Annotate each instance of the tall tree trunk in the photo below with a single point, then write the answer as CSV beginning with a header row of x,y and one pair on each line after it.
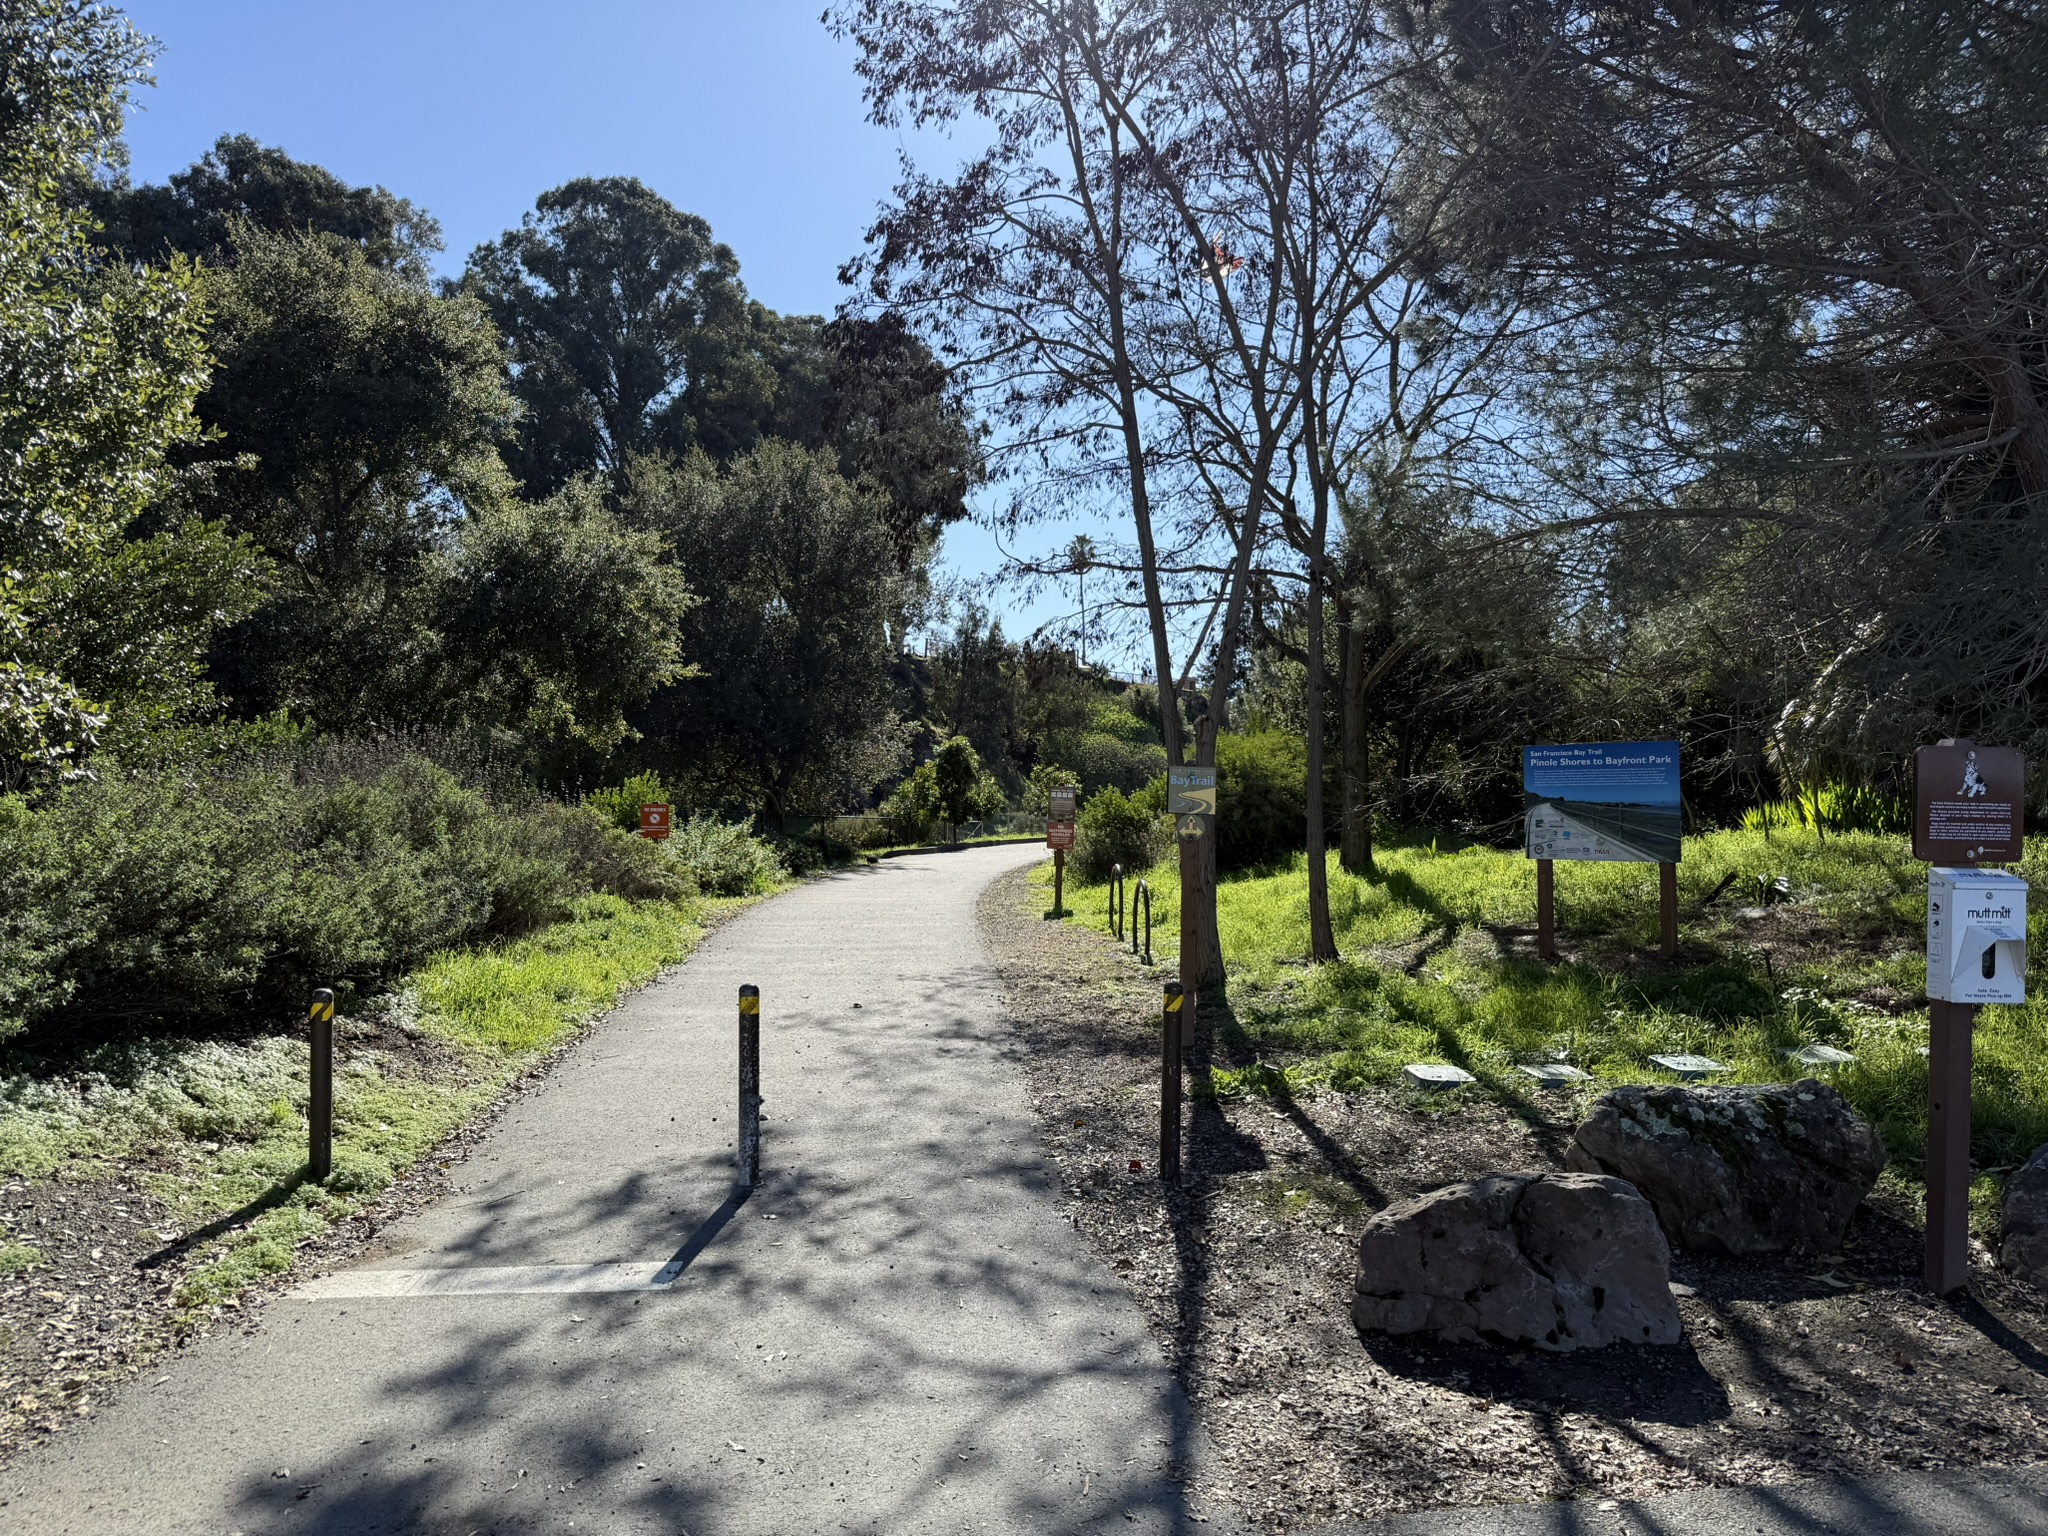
x,y
1201,942
1354,832
1322,938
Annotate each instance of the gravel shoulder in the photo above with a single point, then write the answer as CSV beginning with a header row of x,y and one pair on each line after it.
x,y
1846,1370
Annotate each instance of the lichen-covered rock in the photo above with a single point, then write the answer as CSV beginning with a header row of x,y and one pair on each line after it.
x,y
1737,1171
1560,1261
2023,1220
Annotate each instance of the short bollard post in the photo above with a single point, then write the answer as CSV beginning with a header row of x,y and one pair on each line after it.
x,y
1116,902
320,1101
1171,1027
750,1087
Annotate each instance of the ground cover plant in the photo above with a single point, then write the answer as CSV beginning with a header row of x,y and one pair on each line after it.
x,y
1438,965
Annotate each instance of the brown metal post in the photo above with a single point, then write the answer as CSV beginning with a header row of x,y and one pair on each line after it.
x,y
1059,881
1546,909
1667,907
320,1098
1948,1145
749,1144
1172,1025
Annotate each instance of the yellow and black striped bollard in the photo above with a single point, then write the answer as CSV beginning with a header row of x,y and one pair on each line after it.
x,y
750,1087
320,1101
1172,1017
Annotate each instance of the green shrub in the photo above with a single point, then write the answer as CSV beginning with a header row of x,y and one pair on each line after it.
x,y
609,860
1113,829
196,890
620,804
1105,760
1261,798
912,808
724,858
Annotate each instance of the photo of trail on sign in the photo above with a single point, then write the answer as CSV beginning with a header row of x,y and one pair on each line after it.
x,y
1615,802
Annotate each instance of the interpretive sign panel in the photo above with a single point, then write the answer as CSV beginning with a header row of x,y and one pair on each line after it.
x,y
1062,800
1191,791
1968,803
1615,801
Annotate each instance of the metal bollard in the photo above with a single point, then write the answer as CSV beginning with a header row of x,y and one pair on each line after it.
x,y
1141,892
1116,902
320,1101
1172,1018
749,1143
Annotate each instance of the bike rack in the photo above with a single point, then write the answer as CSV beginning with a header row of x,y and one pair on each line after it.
x,y
1116,902
1142,893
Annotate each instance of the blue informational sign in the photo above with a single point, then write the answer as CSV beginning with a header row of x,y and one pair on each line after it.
x,y
1610,800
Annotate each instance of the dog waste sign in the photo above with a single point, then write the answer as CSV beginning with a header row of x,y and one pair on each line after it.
x,y
1967,803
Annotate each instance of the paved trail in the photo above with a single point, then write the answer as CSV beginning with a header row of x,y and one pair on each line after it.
x,y
898,1333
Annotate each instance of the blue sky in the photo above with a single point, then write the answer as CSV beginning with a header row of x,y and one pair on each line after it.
x,y
746,112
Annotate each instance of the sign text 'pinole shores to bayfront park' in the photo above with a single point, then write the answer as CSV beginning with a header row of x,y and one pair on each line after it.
x,y
1615,801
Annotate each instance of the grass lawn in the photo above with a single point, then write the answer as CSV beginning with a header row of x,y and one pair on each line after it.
x,y
1438,965
215,1130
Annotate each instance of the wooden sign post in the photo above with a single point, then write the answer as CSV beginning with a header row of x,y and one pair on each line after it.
x,y
1607,801
1968,810
1059,837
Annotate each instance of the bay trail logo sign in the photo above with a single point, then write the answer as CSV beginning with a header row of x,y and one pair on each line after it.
x,y
1612,801
1191,791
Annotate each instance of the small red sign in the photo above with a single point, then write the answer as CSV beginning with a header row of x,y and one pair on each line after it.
x,y
1059,834
654,820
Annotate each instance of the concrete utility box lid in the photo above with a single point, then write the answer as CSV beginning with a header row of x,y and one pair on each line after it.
x,y
1557,1074
1820,1056
1689,1066
1430,1075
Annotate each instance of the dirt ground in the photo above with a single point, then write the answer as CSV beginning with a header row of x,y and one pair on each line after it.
x,y
1245,1273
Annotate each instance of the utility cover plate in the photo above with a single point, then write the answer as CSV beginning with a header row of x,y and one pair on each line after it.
x,y
1689,1067
1557,1074
1431,1075
1820,1056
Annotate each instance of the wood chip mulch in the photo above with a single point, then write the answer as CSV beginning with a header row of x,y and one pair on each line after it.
x,y
1844,1368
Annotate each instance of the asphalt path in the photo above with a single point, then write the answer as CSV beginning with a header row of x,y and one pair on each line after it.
x,y
896,1333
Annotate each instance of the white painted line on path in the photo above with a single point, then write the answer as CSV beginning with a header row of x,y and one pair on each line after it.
x,y
514,1280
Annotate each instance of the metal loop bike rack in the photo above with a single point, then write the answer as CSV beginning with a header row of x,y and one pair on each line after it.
x,y
1116,902
1141,893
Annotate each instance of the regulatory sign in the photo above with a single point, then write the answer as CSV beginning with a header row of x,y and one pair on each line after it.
x,y
1191,791
1059,834
1062,801
1615,801
1969,803
655,819
1192,827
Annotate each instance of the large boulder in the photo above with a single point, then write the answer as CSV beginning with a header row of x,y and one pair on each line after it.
x,y
2023,1221
1560,1261
1737,1171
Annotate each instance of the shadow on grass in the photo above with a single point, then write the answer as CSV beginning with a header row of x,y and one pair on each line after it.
x,y
269,1200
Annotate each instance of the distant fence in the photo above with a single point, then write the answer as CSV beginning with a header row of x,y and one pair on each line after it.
x,y
873,831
